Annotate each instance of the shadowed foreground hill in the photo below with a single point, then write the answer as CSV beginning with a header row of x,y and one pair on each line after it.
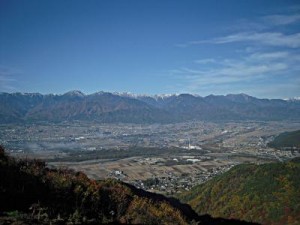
x,y
31,193
267,194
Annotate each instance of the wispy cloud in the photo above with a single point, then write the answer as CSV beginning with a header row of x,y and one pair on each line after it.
x,y
265,56
265,38
7,79
269,55
268,38
266,30
231,72
253,68
282,19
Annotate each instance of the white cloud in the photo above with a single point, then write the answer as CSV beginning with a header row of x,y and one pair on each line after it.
x,y
267,38
251,68
232,74
281,19
269,56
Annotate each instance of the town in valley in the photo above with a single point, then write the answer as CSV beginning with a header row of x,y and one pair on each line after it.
x,y
163,158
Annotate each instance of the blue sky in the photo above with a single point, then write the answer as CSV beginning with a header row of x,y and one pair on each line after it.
x,y
151,47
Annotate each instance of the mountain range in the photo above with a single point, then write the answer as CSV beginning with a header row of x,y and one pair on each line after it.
x,y
127,108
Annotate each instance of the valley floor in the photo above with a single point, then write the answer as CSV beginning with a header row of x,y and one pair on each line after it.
x,y
161,158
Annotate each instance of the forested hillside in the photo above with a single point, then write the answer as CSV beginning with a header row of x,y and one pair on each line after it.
x,y
267,194
287,140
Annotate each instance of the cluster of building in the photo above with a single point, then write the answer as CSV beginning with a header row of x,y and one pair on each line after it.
x,y
199,142
172,183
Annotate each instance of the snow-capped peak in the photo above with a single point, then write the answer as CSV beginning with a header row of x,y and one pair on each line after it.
x,y
98,93
294,99
163,96
136,96
125,94
75,93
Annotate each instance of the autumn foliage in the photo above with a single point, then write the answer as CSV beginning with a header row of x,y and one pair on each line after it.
x,y
267,194
33,194
61,196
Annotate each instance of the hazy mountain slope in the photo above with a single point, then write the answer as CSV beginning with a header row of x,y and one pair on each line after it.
x,y
31,193
104,107
267,194
286,140
248,107
15,106
109,107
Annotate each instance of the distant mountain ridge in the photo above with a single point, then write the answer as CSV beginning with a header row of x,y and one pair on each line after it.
x,y
130,108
